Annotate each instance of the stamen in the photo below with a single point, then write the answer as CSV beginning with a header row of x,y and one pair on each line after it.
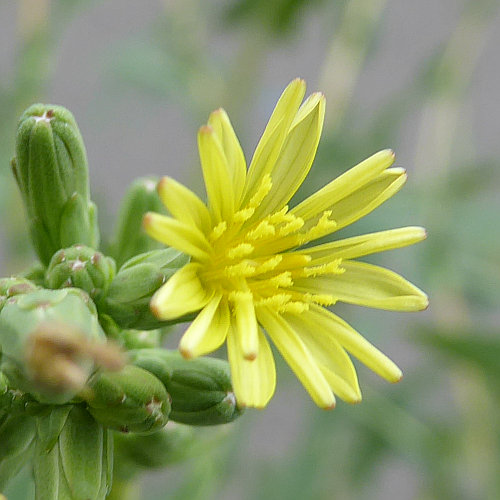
x,y
329,268
263,230
282,280
241,250
322,299
269,264
276,301
218,230
294,307
243,214
294,225
321,228
262,191
242,269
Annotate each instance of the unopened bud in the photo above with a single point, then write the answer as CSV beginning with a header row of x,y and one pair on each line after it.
x,y
130,292
200,388
81,267
130,400
52,174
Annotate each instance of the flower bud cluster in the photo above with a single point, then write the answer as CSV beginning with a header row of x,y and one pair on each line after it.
x,y
81,362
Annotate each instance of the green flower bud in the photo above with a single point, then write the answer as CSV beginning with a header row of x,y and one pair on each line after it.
x,y
200,388
51,171
10,287
131,400
127,300
130,239
81,267
170,445
78,465
50,341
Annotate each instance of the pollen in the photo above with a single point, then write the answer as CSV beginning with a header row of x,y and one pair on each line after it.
x,y
262,191
218,230
241,250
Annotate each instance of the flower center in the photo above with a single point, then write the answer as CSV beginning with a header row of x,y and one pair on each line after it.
x,y
253,257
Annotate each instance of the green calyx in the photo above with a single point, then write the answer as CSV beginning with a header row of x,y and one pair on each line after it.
x,y
81,267
130,400
201,388
128,297
51,170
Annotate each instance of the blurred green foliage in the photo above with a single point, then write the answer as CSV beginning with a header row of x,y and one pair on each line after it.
x,y
439,428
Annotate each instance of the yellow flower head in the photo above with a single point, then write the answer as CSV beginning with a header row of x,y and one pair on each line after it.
x,y
250,277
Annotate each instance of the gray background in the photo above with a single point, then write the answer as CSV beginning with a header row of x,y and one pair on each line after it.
x,y
129,134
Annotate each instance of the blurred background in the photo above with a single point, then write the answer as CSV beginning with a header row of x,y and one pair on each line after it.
x,y
419,77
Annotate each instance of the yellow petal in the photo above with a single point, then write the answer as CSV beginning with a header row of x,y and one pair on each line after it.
x,y
177,234
246,324
181,294
296,157
367,285
344,185
254,381
366,244
218,181
355,343
183,204
297,356
360,202
334,362
235,158
274,135
208,330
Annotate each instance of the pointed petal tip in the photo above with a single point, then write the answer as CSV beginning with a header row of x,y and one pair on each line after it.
x,y
298,81
155,309
162,184
148,220
425,302
205,130
218,111
330,406
250,356
185,352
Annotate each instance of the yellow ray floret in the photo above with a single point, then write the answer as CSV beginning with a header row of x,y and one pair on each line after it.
x,y
254,276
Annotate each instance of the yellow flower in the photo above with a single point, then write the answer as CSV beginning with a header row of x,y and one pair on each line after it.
x,y
250,277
